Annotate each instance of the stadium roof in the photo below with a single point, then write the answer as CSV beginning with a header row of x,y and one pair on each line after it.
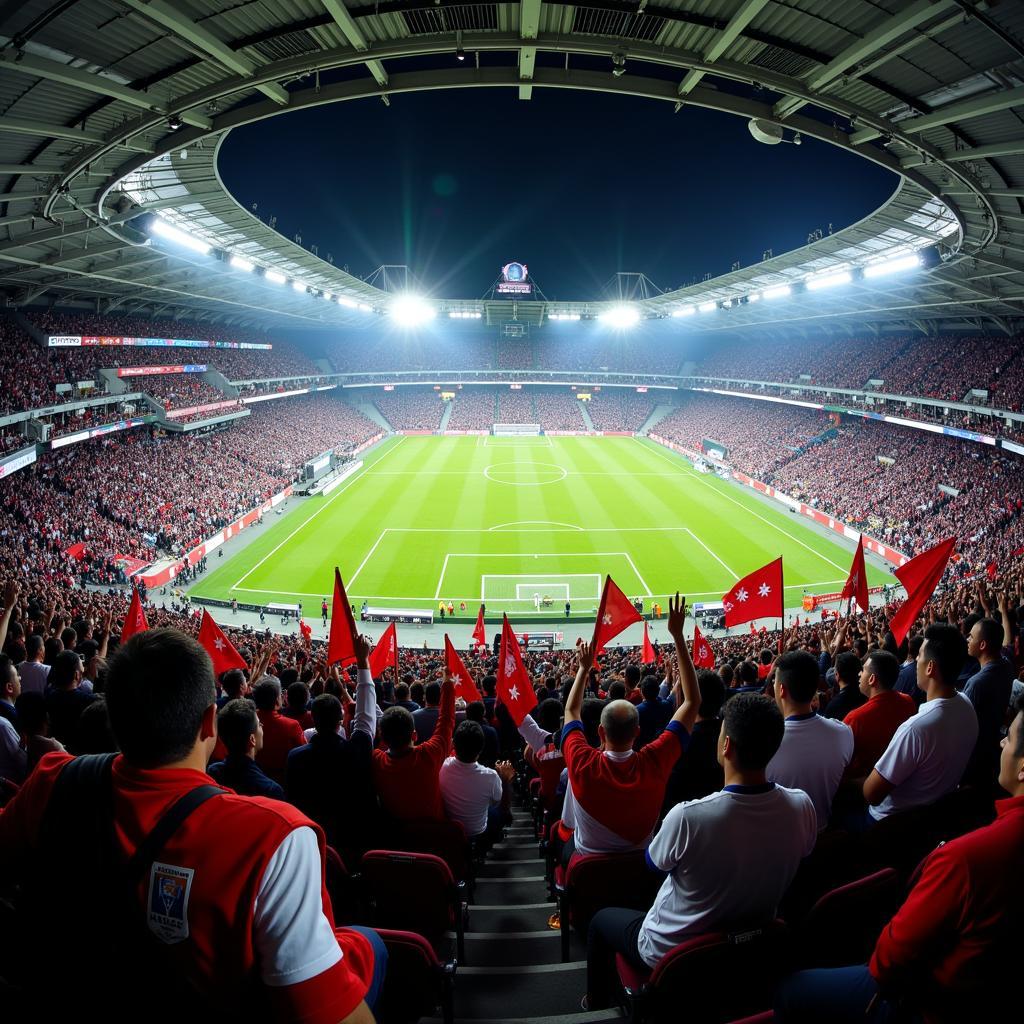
x,y
114,109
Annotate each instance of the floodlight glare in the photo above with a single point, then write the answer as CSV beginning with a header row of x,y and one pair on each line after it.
x,y
298,286
828,280
239,263
411,311
273,275
161,227
778,292
621,317
753,297
684,311
365,308
344,300
893,266
707,307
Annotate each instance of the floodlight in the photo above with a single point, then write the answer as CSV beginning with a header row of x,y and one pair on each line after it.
x,y
778,292
621,317
893,266
828,280
161,227
273,275
411,310
754,297
707,307
344,300
365,308
684,311
240,263
299,286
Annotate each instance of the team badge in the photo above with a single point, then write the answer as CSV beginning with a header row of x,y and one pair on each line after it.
x,y
169,888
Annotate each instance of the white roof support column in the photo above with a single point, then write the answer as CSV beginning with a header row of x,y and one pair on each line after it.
x,y
529,26
351,31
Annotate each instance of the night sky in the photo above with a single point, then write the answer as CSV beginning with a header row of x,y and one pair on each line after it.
x,y
576,185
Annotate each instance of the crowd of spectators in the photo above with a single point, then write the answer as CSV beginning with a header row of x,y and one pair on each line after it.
x,y
474,409
434,349
557,410
515,407
619,409
411,408
579,348
515,354
179,390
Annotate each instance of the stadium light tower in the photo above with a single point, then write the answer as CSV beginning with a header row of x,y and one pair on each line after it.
x,y
621,317
411,311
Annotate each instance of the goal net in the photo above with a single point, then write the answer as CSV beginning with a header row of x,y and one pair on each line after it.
x,y
549,587
515,429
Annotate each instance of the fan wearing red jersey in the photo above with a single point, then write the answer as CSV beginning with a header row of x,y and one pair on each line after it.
x,y
615,795
208,902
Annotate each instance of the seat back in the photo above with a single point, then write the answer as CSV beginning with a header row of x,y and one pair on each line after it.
x,y
340,888
829,864
843,926
444,839
416,982
410,891
719,976
594,881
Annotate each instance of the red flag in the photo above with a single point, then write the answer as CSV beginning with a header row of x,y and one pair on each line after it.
x,y
920,576
464,685
135,620
614,614
221,650
480,630
856,585
77,551
703,656
385,654
343,626
756,596
649,654
991,569
514,688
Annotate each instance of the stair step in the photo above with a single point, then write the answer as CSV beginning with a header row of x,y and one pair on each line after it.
x,y
502,853
509,869
511,891
512,948
592,1017
537,990
502,917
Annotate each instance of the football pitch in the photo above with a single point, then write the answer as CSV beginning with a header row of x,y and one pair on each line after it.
x,y
502,519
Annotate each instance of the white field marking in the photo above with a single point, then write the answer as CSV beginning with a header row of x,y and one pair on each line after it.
x,y
538,554
352,578
514,441
636,572
556,585
756,515
525,483
581,529
534,522
519,462
734,575
341,490
440,579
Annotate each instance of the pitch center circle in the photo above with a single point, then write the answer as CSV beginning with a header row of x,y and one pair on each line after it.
x,y
550,472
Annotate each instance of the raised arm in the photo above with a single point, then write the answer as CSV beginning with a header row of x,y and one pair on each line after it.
x,y
688,692
585,662
366,696
11,591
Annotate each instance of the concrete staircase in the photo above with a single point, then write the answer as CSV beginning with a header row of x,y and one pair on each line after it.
x,y
586,415
370,411
446,416
512,969
658,413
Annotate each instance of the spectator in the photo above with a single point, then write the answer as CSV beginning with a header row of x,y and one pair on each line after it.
x,y
35,729
65,702
653,713
161,692
280,734
475,796
297,707
698,772
13,759
877,719
32,670
928,753
241,731
989,691
542,752
814,751
729,857
849,697
475,713
425,719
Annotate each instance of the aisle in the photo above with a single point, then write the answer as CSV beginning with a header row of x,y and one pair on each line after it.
x,y
513,972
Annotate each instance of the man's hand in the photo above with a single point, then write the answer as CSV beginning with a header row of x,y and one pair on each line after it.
x,y
676,616
361,645
12,590
585,655
505,771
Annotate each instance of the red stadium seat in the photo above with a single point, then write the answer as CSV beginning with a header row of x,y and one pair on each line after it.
x,y
444,839
830,863
340,888
415,892
416,982
709,979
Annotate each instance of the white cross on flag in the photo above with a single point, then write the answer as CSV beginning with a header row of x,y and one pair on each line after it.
x,y
856,585
703,656
220,649
514,688
614,614
757,596
463,681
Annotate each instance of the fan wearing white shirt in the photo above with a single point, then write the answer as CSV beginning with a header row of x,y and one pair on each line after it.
x,y
814,751
475,796
32,670
929,752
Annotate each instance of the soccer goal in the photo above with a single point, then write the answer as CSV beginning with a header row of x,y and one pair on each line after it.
x,y
515,429
550,587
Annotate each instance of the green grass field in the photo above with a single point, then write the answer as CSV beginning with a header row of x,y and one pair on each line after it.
x,y
503,518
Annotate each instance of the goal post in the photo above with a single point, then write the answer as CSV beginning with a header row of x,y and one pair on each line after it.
x,y
550,587
515,429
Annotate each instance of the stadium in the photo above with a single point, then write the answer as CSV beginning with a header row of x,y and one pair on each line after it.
x,y
343,651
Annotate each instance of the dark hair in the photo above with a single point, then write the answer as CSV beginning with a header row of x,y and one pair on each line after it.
x,y
63,670
755,727
468,741
266,693
712,693
746,673
327,712
298,696
31,708
93,734
617,690
798,672
992,634
402,691
68,637
33,645
232,682
236,722
475,711
914,645
766,657
632,675
159,686
432,693
396,727
548,714
489,684
884,667
848,668
416,693
944,644
651,688
726,673
288,676
51,648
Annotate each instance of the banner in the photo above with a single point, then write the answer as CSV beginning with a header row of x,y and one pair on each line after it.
x,y
108,341
151,371
19,460
173,414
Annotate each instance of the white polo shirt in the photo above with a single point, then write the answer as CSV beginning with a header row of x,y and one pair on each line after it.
x,y
730,858
468,791
927,755
813,755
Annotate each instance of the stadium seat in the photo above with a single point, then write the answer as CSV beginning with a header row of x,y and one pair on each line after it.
x,y
444,839
829,864
414,892
416,982
594,881
340,888
716,977
843,926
